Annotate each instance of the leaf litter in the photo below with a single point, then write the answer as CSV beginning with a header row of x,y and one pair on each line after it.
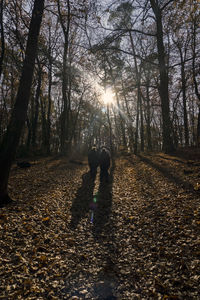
x,y
137,237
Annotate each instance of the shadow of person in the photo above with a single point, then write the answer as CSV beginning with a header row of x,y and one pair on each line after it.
x,y
81,203
104,231
103,205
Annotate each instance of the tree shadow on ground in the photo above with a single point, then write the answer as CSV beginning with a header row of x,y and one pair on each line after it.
x,y
167,173
81,203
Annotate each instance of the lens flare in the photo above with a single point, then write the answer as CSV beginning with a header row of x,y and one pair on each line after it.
x,y
108,97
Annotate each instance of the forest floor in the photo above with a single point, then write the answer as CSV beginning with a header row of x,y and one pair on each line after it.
x,y
136,237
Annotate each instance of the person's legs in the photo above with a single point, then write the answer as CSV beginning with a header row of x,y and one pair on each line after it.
x,y
104,174
101,173
93,172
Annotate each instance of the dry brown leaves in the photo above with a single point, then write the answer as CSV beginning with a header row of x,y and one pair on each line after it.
x,y
136,237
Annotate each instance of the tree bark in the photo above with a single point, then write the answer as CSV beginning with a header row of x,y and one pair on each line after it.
x,y
137,125
2,37
139,107
183,87
48,151
44,125
130,126
149,142
198,129
141,126
194,73
36,108
110,130
19,114
163,87
65,112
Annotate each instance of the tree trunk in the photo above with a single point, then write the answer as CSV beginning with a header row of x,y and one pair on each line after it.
x,y
63,136
163,88
121,120
64,115
75,120
110,131
2,37
198,129
44,125
130,127
138,78
49,110
149,142
197,92
183,87
136,129
141,126
29,135
36,110
19,114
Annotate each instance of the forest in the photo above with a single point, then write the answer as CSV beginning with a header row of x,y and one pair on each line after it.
x,y
124,75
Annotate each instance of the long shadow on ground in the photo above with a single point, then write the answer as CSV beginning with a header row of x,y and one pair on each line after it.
x,y
167,173
104,233
102,204
81,203
99,205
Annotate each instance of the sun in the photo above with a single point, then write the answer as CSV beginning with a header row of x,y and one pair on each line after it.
x,y
108,96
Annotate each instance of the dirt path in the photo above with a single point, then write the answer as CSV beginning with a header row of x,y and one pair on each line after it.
x,y
134,238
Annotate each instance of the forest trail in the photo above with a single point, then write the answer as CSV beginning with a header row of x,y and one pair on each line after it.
x,y
134,238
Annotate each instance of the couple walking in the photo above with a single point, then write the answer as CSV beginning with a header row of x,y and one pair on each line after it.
x,y
99,158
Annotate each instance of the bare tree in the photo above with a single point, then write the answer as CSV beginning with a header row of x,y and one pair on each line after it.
x,y
11,138
163,86
2,36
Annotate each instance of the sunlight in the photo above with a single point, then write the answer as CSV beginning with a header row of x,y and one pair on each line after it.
x,y
108,97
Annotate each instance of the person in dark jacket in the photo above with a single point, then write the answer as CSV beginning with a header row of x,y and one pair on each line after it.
x,y
93,161
104,162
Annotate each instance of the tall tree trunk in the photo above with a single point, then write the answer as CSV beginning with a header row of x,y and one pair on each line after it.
x,y
75,120
63,136
2,37
149,142
36,110
122,125
110,131
137,125
130,127
19,114
183,87
198,129
49,110
141,126
163,87
184,105
138,78
197,92
29,135
64,114
44,125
